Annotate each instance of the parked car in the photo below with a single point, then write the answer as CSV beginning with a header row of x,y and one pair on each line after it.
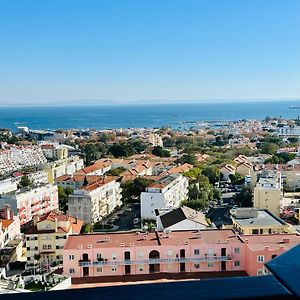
x,y
136,220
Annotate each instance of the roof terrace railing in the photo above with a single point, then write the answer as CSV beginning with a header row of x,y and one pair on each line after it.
x,y
208,258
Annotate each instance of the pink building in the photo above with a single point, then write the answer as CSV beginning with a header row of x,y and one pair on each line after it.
x,y
131,253
260,249
140,253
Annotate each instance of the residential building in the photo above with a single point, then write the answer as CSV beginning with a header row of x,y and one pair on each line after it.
x,y
66,166
55,151
134,253
8,185
100,167
168,192
16,158
268,192
93,202
9,226
182,218
46,237
155,140
209,251
76,181
250,220
226,171
31,201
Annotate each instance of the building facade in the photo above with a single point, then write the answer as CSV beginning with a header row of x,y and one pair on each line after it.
x,y
46,237
166,193
93,202
28,202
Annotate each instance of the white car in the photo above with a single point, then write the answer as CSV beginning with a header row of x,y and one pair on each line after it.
x,y
136,221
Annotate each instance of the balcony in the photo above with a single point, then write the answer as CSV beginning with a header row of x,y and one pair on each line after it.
x,y
155,261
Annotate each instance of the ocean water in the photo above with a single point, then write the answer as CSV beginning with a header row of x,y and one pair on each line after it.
x,y
138,116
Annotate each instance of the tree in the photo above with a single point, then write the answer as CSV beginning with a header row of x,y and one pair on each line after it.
x,y
115,172
62,199
25,181
187,158
87,228
132,189
245,197
120,150
236,179
212,173
161,152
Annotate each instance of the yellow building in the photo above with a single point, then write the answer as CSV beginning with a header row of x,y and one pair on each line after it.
x,y
46,238
250,220
268,192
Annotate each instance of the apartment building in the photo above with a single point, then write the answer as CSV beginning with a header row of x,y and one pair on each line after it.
x,y
66,166
155,140
100,167
76,181
55,151
268,192
251,220
208,251
93,202
46,237
9,226
31,201
166,193
16,158
155,252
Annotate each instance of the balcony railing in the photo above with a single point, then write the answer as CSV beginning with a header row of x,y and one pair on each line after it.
x,y
156,261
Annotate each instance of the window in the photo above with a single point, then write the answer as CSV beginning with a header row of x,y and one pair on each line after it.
x,y
71,270
196,266
99,270
210,265
47,247
237,263
114,269
260,272
71,257
196,251
210,251
169,253
237,250
260,258
254,231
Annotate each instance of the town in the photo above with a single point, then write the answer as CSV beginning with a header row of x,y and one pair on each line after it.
x,y
207,199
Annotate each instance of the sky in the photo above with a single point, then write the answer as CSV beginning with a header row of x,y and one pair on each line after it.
x,y
135,50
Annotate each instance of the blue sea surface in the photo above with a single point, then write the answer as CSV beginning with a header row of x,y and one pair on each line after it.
x,y
138,116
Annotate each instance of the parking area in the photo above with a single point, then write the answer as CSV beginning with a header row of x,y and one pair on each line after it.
x,y
127,218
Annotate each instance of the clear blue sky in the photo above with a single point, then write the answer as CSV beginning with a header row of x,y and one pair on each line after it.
x,y
63,50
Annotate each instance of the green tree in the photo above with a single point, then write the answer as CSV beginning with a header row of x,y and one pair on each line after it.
x,y
212,173
245,197
115,172
188,158
25,181
87,228
62,199
161,152
132,189
236,178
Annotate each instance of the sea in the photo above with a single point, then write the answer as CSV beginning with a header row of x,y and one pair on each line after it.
x,y
141,115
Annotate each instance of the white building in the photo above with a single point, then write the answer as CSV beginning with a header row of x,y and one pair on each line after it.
x,y
28,202
8,185
167,192
288,131
17,158
182,218
155,140
95,201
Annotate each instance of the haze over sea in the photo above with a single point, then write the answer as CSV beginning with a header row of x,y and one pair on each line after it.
x,y
138,115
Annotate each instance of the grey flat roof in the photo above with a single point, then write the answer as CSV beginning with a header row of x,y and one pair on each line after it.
x,y
264,218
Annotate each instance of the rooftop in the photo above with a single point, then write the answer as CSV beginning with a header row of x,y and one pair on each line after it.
x,y
173,238
263,218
